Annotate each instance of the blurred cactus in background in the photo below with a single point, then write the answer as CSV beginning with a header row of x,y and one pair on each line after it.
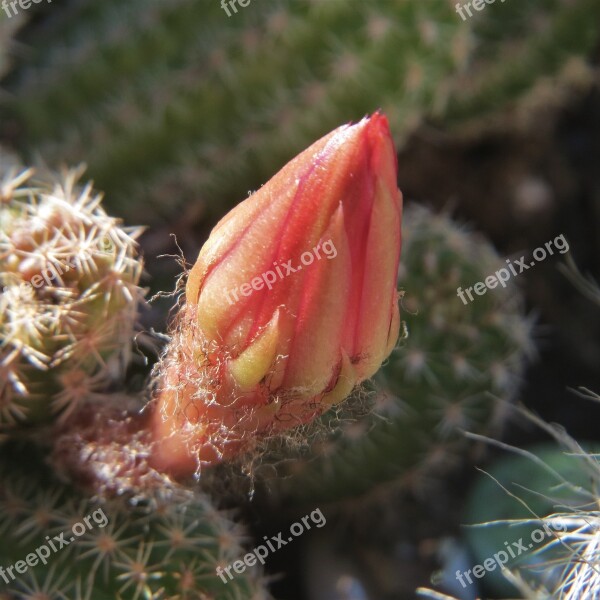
x,y
519,47
166,547
455,371
551,487
173,103
535,510
69,295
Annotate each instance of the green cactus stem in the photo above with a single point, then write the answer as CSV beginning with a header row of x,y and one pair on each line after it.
x,y
166,547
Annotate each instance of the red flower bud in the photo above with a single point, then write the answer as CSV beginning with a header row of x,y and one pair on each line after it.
x,y
291,303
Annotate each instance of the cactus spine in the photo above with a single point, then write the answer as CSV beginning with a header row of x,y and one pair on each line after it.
x,y
69,296
165,547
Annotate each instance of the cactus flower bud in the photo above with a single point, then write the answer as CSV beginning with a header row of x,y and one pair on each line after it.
x,y
291,303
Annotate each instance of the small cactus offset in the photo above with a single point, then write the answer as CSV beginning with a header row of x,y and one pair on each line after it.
x,y
168,547
69,294
453,372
